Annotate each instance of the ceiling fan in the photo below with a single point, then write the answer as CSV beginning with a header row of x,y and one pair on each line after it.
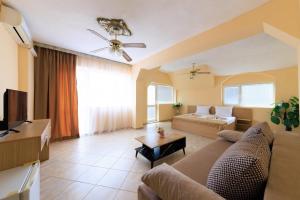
x,y
116,45
196,70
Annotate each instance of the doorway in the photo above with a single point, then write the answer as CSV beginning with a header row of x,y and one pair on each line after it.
x,y
158,95
151,104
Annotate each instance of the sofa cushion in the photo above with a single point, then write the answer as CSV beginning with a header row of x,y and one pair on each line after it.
x,y
230,135
284,175
266,130
241,172
198,164
170,184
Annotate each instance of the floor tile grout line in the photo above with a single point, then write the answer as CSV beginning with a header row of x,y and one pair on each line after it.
x,y
94,185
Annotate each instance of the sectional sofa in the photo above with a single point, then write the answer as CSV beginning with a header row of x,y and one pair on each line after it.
x,y
276,159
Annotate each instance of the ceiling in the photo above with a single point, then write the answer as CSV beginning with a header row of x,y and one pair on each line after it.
x,y
159,24
257,53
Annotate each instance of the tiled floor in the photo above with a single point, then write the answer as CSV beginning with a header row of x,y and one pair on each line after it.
x,y
102,167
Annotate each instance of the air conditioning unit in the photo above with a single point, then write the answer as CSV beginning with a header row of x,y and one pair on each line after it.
x,y
16,25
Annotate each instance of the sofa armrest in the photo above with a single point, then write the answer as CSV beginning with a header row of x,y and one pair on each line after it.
x,y
170,184
146,193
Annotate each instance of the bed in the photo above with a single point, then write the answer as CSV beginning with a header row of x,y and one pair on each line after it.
x,y
208,125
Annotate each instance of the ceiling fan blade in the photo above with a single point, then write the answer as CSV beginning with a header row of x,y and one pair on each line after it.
x,y
134,45
203,72
99,35
126,56
98,50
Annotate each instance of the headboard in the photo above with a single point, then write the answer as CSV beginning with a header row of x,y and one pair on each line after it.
x,y
238,112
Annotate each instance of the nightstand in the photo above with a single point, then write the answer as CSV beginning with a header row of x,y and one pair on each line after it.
x,y
243,124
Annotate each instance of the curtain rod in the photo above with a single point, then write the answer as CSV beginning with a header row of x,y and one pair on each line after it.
x,y
75,52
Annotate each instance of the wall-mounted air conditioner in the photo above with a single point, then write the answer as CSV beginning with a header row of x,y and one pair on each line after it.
x,y
16,25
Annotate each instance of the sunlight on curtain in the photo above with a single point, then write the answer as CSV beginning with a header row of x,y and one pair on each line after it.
x,y
104,95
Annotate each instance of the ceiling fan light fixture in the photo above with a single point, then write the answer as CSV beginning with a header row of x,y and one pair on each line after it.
x,y
114,26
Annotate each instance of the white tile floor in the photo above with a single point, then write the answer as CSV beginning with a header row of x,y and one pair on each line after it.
x,y
102,167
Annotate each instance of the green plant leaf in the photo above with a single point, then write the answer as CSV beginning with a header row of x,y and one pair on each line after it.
x,y
275,120
285,105
290,115
295,123
288,122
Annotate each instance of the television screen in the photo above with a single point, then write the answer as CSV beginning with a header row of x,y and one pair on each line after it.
x,y
15,108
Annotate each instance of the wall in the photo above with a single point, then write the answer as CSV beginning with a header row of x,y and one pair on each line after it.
x,y
8,64
16,69
165,112
26,77
144,78
286,83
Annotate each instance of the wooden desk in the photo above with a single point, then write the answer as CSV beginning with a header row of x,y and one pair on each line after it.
x,y
30,144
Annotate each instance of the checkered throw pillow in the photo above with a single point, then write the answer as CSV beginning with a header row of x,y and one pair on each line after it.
x,y
241,172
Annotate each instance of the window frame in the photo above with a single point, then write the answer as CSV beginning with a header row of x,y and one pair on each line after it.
x,y
240,96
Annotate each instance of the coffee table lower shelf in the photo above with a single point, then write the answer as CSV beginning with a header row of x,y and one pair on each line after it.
x,y
156,153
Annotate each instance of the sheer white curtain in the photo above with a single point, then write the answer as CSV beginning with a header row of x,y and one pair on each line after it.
x,y
104,95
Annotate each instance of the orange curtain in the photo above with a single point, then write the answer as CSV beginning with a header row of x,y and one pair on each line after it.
x,y
56,92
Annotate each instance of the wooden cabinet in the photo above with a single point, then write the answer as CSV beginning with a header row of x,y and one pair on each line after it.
x,y
243,124
30,144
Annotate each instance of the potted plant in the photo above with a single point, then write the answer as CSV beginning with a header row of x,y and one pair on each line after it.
x,y
286,113
177,107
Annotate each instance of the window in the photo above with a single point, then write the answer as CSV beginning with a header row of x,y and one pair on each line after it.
x,y
165,94
158,94
254,95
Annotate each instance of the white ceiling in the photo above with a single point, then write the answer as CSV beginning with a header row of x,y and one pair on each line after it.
x,y
257,53
159,24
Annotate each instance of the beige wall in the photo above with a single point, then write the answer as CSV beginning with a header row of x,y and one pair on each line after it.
x,y
144,78
8,64
26,77
165,112
286,83
16,69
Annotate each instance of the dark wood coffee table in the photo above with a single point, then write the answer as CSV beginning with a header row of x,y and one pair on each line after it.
x,y
154,147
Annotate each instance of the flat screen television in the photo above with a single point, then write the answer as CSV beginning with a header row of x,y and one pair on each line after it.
x,y
15,109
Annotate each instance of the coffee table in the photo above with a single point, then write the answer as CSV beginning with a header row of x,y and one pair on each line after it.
x,y
154,147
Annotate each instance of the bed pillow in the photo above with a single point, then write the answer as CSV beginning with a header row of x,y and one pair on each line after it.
x,y
230,135
202,110
224,111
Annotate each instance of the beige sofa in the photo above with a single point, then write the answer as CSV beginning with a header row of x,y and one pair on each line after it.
x,y
284,172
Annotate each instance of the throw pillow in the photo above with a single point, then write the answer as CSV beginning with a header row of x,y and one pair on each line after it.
x,y
266,131
242,170
230,135
170,184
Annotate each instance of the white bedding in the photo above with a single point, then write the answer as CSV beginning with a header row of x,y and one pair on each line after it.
x,y
209,118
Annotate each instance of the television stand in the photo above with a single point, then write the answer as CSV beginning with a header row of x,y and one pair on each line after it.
x,y
29,145
4,134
